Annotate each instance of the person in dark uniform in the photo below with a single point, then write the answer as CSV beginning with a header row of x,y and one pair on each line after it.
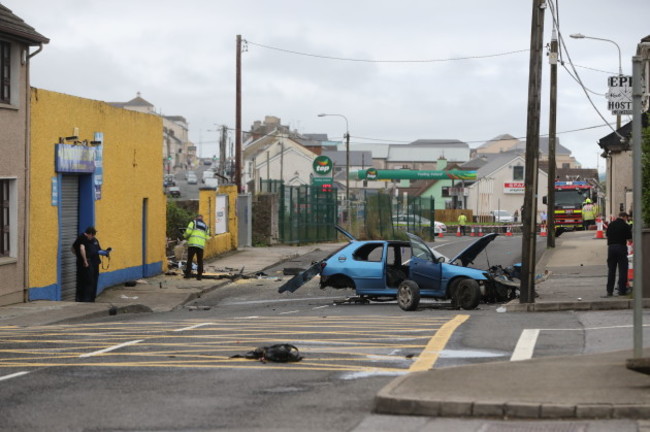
x,y
618,233
86,247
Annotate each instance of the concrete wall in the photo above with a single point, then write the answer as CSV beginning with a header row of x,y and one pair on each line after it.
x,y
132,173
13,167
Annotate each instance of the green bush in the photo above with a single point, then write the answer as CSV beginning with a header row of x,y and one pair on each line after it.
x,y
177,216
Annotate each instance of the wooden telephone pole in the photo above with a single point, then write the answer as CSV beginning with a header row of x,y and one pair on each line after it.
x,y
529,217
238,118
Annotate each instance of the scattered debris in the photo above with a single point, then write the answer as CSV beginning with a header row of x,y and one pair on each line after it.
x,y
278,353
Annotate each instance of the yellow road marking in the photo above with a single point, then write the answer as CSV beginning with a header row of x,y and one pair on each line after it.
x,y
430,354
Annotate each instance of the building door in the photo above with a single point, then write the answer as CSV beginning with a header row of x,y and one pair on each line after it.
x,y
68,232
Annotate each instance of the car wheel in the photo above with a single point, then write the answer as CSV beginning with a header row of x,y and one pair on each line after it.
x,y
408,295
467,294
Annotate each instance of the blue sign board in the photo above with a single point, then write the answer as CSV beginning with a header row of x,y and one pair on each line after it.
x,y
74,158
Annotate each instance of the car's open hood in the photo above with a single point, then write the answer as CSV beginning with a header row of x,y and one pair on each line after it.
x,y
467,255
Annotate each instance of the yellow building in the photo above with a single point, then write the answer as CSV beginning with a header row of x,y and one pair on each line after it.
x,y
93,165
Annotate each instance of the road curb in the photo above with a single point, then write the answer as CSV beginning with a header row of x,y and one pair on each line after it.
x,y
614,304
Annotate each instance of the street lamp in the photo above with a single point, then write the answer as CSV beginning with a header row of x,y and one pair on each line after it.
x,y
347,157
581,36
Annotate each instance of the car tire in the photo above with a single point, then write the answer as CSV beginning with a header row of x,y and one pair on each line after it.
x,y
408,295
467,294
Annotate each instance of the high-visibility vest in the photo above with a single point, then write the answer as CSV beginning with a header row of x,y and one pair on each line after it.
x,y
588,212
197,233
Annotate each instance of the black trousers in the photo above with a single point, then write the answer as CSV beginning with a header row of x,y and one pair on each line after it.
x,y
617,258
191,251
87,278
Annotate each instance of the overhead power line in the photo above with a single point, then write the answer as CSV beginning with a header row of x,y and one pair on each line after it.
x,y
321,56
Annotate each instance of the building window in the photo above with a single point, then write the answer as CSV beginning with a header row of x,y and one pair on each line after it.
x,y
445,191
5,72
517,173
6,221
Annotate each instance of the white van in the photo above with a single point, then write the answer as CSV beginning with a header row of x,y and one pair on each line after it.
x,y
206,175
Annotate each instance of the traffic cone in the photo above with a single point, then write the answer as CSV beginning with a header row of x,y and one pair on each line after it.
x,y
471,233
480,232
440,234
543,231
508,232
630,271
458,231
599,228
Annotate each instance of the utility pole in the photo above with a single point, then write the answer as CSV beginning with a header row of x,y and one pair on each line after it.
x,y
529,217
222,150
238,117
550,198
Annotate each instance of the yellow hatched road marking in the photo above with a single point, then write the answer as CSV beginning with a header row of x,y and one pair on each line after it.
x,y
360,344
430,354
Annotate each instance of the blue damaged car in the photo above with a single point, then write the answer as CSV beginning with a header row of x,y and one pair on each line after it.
x,y
404,270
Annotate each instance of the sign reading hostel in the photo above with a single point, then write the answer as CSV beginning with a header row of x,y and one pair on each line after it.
x,y
619,96
322,165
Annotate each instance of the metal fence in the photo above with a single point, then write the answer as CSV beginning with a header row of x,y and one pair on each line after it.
x,y
307,214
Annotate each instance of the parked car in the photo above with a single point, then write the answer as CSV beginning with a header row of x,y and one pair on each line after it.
x,y
189,173
402,220
502,216
192,179
174,192
169,180
403,270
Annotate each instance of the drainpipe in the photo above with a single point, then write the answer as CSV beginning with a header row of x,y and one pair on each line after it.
x,y
26,180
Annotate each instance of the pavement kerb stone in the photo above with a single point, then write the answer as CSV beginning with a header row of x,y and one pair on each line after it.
x,y
557,411
521,410
488,409
455,408
575,306
594,411
631,412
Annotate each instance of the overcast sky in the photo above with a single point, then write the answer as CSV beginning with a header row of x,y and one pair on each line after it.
x,y
394,69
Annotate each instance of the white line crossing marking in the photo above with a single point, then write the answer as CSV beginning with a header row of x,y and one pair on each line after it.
x,y
525,345
113,348
14,375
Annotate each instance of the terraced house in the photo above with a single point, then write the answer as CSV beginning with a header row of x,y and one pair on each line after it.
x,y
19,43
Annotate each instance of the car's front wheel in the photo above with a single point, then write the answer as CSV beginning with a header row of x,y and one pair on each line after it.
x,y
408,295
467,294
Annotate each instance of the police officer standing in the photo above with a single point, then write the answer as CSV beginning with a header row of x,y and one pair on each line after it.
x,y
618,233
196,234
87,250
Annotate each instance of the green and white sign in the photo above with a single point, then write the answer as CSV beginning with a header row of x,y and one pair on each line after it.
x,y
322,165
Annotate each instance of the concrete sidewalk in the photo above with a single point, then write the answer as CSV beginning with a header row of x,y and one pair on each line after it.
x,y
578,387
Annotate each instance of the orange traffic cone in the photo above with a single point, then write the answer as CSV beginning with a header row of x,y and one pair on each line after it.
x,y
471,233
458,231
440,234
508,232
543,231
480,232
599,228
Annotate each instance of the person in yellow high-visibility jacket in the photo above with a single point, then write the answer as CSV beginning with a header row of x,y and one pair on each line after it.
x,y
196,234
462,222
588,214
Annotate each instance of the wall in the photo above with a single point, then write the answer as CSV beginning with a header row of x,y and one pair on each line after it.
x,y
132,172
219,244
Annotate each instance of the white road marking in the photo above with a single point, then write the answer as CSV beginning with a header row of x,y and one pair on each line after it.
x,y
289,312
277,301
320,307
14,375
192,327
525,345
113,348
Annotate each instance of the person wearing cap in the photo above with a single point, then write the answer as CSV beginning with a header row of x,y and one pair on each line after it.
x,y
618,234
86,248
196,234
588,214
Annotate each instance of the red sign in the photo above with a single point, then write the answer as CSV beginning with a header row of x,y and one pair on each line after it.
x,y
514,188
